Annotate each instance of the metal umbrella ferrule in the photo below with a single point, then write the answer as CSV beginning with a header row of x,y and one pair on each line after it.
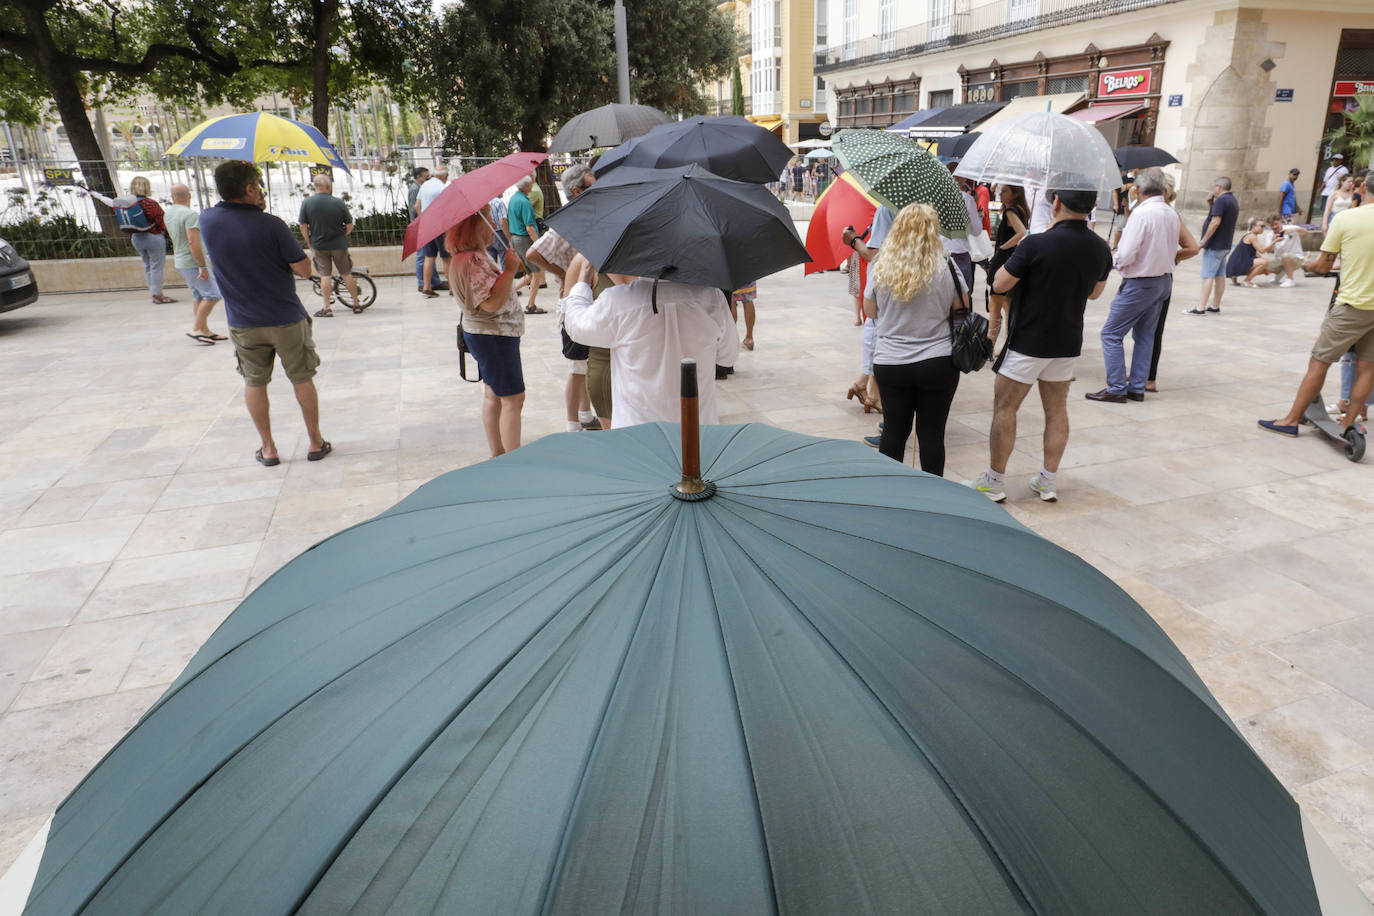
x,y
691,487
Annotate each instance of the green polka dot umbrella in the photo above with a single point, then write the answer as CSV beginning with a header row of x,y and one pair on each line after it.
x,y
896,171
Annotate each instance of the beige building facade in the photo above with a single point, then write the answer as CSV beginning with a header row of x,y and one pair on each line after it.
x,y
780,48
1230,87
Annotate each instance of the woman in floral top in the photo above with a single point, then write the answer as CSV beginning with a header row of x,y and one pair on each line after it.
x,y
492,325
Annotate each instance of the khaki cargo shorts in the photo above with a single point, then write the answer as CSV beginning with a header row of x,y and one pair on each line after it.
x,y
1343,328
258,348
338,257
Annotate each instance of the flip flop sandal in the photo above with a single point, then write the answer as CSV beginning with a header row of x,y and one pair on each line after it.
x,y
324,313
163,300
203,339
429,294
357,309
324,449
218,337
266,462
535,310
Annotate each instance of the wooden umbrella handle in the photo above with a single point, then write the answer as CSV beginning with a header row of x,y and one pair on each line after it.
x,y
691,423
691,487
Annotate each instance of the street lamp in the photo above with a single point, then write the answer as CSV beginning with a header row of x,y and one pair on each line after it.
x,y
622,54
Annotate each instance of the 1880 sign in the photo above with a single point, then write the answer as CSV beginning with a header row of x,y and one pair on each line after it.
x,y
981,92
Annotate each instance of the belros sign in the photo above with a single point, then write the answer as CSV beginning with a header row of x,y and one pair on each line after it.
x,y
1354,87
1120,83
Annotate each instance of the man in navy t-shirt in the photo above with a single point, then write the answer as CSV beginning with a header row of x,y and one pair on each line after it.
x,y
254,257
1217,234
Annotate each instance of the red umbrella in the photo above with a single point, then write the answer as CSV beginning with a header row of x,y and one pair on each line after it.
x,y
467,194
843,204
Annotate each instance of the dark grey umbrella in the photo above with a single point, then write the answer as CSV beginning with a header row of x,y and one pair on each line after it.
x,y
609,125
955,147
543,684
1141,157
729,145
683,224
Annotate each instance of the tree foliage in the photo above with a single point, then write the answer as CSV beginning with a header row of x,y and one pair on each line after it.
x,y
505,74
1355,136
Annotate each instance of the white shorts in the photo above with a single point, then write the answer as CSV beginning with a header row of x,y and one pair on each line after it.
x,y
1029,369
577,367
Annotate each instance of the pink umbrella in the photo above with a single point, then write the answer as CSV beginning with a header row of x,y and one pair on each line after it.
x,y
466,195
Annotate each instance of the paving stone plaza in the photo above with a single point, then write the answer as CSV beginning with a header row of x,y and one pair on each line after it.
x,y
133,517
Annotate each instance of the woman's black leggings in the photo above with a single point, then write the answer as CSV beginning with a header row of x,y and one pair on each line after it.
x,y
1159,339
924,391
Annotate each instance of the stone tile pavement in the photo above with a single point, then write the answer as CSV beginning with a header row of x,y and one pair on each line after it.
x,y
133,517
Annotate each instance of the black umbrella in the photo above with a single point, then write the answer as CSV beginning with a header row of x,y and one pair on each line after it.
x,y
609,125
683,224
1141,157
546,683
955,147
729,146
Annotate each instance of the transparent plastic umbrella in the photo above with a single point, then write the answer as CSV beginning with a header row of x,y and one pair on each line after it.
x,y
1043,150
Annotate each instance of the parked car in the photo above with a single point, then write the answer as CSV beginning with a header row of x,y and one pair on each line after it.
x,y
18,287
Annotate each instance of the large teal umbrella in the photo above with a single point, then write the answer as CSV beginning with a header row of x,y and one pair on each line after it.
x,y
896,171
545,684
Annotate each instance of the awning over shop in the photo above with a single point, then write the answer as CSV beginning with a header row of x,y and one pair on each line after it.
x,y
1108,112
912,120
956,119
768,123
1028,104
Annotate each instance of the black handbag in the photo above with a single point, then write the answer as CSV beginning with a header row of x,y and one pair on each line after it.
x,y
571,348
463,358
969,345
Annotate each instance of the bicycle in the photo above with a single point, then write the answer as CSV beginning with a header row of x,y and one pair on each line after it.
x,y
367,289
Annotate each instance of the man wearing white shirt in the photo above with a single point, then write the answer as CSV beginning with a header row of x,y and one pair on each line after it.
x,y
647,346
1042,210
1331,178
1146,257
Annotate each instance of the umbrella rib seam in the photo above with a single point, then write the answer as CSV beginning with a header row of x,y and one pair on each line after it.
x,y
1182,823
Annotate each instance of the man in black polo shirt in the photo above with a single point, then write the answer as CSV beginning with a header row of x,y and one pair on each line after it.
x,y
254,255
1054,274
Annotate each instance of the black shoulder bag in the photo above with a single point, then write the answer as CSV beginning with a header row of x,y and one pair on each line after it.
x,y
463,358
969,345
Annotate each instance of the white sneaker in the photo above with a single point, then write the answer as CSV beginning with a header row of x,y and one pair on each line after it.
x,y
992,491
1286,282
1044,490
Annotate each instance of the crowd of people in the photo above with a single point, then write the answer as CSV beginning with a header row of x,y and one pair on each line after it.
x,y
623,337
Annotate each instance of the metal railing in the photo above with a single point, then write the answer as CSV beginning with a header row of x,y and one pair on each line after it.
x,y
975,21
46,213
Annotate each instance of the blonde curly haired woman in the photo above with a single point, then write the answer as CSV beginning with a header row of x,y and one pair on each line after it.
x,y
911,290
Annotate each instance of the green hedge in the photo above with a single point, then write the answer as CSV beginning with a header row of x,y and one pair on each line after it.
x,y
382,227
60,237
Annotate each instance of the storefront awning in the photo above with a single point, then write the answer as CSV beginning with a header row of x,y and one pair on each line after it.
x,y
1028,104
912,120
768,123
1108,112
956,119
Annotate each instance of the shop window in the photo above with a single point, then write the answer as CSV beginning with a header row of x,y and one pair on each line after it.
x,y
942,99
1356,63
904,102
1016,90
882,104
1060,84
863,106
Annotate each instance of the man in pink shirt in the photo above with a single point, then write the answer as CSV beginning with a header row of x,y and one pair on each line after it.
x,y
1146,257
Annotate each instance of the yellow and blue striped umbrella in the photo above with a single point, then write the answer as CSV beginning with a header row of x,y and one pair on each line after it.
x,y
257,137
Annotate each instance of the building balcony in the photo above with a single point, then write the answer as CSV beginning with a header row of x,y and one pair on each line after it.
x,y
764,103
974,21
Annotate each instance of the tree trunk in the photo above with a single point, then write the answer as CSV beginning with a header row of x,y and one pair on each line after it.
x,y
61,78
326,11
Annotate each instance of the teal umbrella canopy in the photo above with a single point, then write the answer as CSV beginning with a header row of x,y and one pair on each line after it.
x,y
544,684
